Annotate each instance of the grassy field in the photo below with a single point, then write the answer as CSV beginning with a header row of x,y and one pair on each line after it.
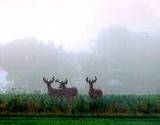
x,y
78,121
37,103
40,109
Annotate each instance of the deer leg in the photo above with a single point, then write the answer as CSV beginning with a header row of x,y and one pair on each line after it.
x,y
70,100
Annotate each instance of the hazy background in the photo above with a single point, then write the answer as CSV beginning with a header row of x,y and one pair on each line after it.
x,y
117,41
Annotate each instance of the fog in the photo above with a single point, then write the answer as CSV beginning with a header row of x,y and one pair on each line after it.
x,y
5,84
125,62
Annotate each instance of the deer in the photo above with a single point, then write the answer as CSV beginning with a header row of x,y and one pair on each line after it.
x,y
53,92
69,93
93,93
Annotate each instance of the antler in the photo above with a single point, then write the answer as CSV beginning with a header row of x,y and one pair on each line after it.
x,y
62,82
57,80
91,80
88,80
48,81
95,79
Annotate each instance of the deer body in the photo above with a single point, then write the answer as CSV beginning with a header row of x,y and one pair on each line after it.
x,y
68,92
52,92
93,93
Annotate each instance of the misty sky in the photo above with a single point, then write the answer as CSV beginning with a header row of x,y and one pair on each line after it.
x,y
116,40
74,23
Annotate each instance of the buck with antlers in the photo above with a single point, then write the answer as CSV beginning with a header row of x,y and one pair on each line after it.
x,y
69,93
56,93
93,93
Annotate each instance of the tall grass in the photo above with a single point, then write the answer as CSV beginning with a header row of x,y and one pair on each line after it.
x,y
37,103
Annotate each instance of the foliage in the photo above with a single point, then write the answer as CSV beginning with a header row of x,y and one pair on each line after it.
x,y
38,103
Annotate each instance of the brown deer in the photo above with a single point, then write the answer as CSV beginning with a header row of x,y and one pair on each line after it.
x,y
69,93
52,92
93,93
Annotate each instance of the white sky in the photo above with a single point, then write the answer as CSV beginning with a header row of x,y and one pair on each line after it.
x,y
74,23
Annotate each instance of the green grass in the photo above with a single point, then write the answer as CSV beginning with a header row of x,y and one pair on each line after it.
x,y
37,103
78,121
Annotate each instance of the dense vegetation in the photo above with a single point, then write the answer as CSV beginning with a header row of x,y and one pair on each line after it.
x,y
37,103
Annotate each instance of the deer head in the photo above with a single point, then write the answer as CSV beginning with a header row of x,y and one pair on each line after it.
x,y
62,83
91,81
48,82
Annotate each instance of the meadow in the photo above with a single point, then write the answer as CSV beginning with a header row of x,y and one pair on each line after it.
x,y
19,104
78,121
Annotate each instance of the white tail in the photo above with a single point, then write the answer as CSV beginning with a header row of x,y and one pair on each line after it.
x,y
93,93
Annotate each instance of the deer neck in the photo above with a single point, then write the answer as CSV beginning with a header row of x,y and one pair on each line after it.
x,y
91,87
49,87
63,87
51,90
